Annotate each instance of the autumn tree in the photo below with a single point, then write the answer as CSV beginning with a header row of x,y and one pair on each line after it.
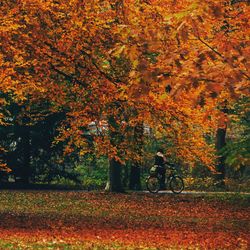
x,y
101,59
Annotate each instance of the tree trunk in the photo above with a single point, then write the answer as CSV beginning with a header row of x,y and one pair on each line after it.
x,y
135,177
115,167
135,170
115,180
26,155
126,175
220,143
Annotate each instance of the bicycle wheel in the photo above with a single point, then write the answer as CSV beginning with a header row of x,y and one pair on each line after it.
x,y
153,184
176,184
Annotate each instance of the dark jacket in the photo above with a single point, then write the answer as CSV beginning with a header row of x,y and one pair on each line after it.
x,y
159,159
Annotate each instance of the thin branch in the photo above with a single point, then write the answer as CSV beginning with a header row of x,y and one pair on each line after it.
x,y
104,74
221,56
214,50
68,76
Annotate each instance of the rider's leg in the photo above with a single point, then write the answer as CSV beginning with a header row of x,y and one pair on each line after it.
x,y
162,178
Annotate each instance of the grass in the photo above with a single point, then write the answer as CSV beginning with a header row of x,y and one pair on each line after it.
x,y
19,245
95,220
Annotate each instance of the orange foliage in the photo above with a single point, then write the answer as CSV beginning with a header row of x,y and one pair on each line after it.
x,y
86,56
134,220
3,166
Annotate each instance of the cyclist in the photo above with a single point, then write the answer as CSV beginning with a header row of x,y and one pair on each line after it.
x,y
160,161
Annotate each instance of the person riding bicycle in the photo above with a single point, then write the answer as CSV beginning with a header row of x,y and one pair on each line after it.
x,y
159,179
160,161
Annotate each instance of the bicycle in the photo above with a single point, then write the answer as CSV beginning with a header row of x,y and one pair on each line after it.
x,y
175,182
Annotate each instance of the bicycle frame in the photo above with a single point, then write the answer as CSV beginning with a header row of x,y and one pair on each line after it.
x,y
169,182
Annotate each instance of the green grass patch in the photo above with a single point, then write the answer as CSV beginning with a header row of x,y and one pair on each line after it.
x,y
122,221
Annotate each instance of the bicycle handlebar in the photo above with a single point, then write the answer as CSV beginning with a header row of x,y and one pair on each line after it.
x,y
168,166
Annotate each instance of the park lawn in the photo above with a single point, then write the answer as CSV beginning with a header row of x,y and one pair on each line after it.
x,y
96,220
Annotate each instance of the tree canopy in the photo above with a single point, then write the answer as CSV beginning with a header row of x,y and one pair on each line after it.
x,y
167,64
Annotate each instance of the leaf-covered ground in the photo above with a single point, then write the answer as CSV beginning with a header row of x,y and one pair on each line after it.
x,y
81,220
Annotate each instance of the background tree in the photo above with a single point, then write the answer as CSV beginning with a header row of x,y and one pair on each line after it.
x,y
236,152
